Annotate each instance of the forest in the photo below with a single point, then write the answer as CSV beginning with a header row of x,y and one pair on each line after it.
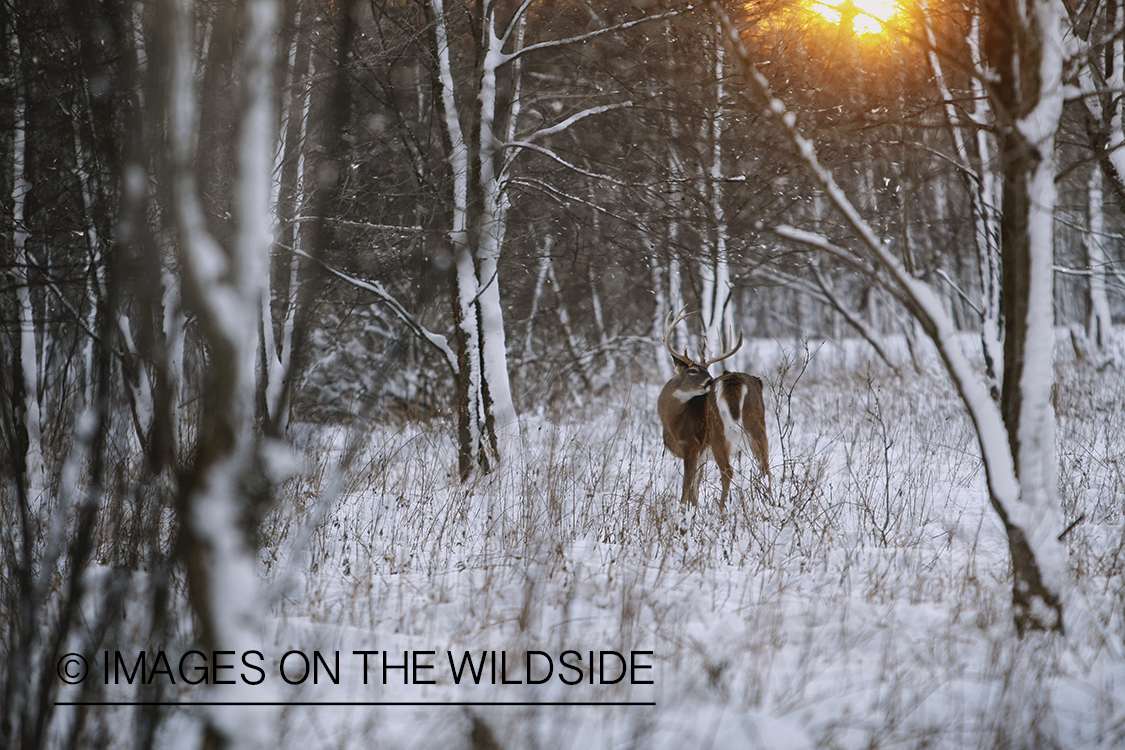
x,y
332,334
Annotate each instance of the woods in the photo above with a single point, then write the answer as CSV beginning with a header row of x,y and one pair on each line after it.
x,y
231,228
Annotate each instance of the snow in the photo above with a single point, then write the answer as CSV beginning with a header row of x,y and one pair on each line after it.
x,y
866,603
861,600
225,290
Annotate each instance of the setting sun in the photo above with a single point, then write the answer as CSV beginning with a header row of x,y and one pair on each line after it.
x,y
867,16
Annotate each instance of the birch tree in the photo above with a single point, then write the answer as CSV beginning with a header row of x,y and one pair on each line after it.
x,y
27,345
715,264
277,341
1101,79
224,286
1099,321
1023,48
82,320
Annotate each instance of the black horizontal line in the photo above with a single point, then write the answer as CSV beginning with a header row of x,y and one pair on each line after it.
x,y
355,703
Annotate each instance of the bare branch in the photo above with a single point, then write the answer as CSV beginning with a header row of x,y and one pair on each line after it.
x,y
577,116
515,22
507,58
552,155
439,342
922,301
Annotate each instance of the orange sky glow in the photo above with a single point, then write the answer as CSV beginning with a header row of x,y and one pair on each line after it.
x,y
869,14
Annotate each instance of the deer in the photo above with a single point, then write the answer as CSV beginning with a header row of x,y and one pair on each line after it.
x,y
701,413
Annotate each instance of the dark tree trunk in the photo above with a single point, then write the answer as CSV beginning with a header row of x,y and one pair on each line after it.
x,y
1014,54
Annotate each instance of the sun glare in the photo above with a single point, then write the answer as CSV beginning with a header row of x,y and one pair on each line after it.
x,y
868,16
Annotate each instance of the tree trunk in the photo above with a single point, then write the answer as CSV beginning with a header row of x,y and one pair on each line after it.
x,y
976,156
1025,49
277,340
221,494
28,364
472,431
715,270
1099,323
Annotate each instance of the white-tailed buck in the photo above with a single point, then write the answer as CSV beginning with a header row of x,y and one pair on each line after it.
x,y
701,413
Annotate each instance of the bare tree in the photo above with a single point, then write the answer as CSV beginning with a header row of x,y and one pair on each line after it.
x,y
224,286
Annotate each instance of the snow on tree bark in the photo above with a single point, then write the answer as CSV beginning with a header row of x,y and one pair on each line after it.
x,y
480,166
546,244
1024,46
715,267
1101,78
659,309
499,406
470,406
976,155
292,170
224,288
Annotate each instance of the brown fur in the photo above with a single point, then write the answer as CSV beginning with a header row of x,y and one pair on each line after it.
x,y
693,427
693,422
685,422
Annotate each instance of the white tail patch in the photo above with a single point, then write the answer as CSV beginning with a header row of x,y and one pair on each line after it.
x,y
732,425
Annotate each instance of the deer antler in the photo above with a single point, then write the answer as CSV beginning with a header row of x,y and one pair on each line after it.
x,y
670,324
704,362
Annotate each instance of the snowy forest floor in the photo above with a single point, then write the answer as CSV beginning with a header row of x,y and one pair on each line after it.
x,y
862,602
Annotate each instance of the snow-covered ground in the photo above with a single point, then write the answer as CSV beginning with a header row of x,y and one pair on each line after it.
x,y
862,602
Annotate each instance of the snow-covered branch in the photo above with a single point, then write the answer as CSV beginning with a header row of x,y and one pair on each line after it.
x,y
552,155
561,196
926,306
823,244
576,117
514,23
441,343
403,229
225,287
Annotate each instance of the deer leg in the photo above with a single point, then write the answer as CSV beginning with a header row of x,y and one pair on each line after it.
x,y
761,451
691,479
726,471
